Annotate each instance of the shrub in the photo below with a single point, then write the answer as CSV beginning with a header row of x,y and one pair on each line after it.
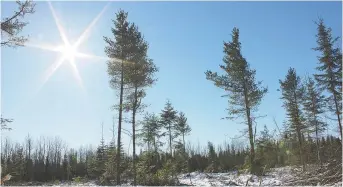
x,y
78,179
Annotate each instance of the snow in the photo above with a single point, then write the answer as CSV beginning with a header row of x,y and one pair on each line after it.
x,y
275,177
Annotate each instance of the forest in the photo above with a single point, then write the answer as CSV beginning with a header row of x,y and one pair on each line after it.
x,y
163,153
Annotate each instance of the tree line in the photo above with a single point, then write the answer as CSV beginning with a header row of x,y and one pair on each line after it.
x,y
50,160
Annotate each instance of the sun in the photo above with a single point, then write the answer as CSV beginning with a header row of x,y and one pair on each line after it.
x,y
68,51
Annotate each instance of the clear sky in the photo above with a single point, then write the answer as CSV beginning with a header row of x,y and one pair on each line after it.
x,y
185,38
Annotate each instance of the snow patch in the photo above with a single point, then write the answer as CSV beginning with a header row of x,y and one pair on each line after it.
x,y
275,177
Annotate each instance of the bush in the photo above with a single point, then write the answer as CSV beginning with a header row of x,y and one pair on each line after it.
x,y
57,182
77,179
167,175
256,168
151,173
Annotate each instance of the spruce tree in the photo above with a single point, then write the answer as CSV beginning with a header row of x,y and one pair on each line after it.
x,y
292,94
266,149
182,128
330,69
110,161
168,119
212,158
150,131
243,91
314,104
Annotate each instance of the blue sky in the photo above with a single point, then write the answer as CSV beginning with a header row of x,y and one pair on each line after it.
x,y
185,38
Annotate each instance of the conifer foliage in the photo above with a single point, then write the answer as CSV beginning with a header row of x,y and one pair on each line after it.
x,y
292,95
243,91
12,26
168,119
130,71
329,68
314,107
182,128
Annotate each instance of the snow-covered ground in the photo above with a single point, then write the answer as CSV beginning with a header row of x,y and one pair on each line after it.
x,y
275,177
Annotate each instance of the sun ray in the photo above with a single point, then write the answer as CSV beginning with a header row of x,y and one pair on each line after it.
x,y
58,24
84,55
85,33
76,74
42,46
50,71
68,50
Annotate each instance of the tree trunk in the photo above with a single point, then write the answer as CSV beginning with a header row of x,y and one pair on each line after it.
x,y
317,144
149,135
155,146
184,145
338,114
149,146
251,136
252,149
298,130
316,125
119,122
113,133
170,140
300,147
134,137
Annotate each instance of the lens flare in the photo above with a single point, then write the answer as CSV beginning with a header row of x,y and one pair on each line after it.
x,y
68,51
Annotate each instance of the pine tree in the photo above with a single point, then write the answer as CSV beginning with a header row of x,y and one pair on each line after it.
x,y
110,161
100,159
182,128
292,94
150,131
212,158
330,69
140,76
245,94
267,149
12,26
314,103
119,51
168,119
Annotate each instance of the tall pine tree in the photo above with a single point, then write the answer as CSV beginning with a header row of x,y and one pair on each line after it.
x,y
243,91
330,69
120,51
140,76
